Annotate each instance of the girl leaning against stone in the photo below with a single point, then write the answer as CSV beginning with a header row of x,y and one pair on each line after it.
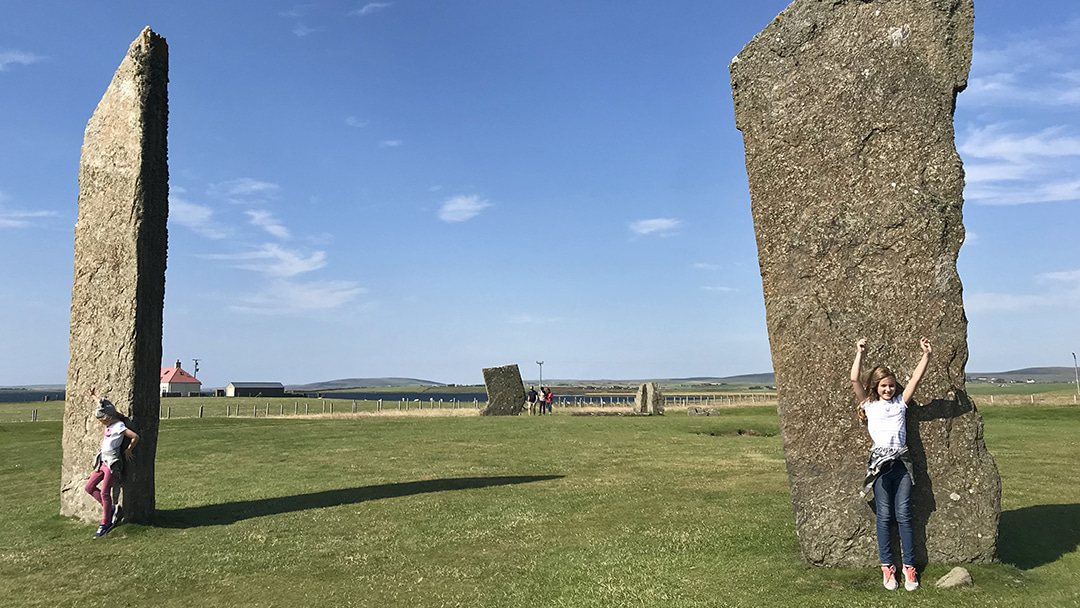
x,y
889,471
108,465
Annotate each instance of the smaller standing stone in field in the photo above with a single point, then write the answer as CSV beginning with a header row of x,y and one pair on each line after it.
x,y
957,577
649,400
506,393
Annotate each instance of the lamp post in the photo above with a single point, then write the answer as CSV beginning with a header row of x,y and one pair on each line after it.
x,y
541,364
1077,374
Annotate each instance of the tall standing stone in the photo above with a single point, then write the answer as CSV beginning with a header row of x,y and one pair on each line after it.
x,y
649,399
846,113
118,292
506,393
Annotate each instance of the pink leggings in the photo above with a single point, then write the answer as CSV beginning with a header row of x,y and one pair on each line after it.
x,y
103,495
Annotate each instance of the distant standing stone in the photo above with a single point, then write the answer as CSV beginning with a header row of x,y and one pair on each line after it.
x,y
649,400
846,111
118,293
506,393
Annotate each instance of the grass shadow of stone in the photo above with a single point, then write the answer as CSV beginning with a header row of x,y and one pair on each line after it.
x,y
1035,536
231,512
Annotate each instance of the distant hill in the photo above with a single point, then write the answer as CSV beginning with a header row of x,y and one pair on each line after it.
x,y
1038,374
361,383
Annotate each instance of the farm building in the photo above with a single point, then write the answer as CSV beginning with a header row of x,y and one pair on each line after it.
x,y
255,389
175,381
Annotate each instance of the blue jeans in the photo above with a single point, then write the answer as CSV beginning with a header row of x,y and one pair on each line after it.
x,y
892,498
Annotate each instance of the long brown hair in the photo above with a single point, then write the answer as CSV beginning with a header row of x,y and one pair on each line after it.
x,y
870,385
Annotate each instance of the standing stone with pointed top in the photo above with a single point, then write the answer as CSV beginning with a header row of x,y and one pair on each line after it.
x,y
118,293
506,393
649,400
856,190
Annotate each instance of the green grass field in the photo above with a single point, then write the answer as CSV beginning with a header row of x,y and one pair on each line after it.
x,y
524,511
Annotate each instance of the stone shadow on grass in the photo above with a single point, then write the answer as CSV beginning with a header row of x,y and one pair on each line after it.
x,y
1038,535
232,512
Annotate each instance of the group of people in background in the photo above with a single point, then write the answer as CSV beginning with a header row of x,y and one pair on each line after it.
x,y
539,402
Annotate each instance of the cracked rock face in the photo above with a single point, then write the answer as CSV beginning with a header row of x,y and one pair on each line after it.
x,y
506,393
846,112
118,293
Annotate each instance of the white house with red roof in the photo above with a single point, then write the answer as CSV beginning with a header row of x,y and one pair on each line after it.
x,y
176,381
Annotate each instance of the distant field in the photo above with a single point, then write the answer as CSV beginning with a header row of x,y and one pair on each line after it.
x,y
563,511
1056,388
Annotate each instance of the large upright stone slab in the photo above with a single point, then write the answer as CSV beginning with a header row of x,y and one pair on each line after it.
x,y
846,112
649,399
506,393
118,292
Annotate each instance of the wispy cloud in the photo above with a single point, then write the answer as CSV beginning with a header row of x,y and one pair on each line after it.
x,y
268,222
13,218
297,11
198,218
17,218
244,190
528,319
390,143
273,260
353,121
719,289
705,266
301,30
661,226
1023,145
9,58
370,8
1062,290
461,208
1009,167
284,297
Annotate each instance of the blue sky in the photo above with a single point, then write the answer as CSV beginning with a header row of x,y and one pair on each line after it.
x,y
425,189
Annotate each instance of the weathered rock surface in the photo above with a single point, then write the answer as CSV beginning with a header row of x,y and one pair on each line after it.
x,y
118,293
649,399
846,110
506,393
957,577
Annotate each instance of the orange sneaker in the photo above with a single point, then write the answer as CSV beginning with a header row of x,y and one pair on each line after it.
x,y
911,578
889,575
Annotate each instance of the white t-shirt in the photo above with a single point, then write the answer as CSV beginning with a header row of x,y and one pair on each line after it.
x,y
886,423
110,444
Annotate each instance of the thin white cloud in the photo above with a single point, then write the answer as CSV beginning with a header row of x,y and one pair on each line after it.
x,y
1067,276
719,289
353,121
244,189
660,226
297,11
1063,291
275,261
705,266
9,58
301,30
370,8
13,218
390,143
1008,167
266,220
197,218
17,218
291,298
461,208
527,319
